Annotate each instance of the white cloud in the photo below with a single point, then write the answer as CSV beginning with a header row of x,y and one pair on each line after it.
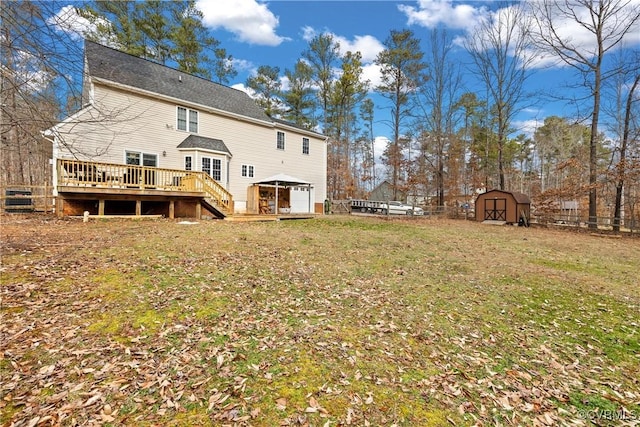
x,y
242,64
30,73
68,21
527,127
308,33
372,73
241,87
285,83
463,17
431,13
250,21
380,144
368,46
582,40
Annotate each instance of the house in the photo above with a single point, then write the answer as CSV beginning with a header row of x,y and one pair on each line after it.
x,y
509,207
152,139
382,192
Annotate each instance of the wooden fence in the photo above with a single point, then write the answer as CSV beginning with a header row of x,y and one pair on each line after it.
x,y
604,223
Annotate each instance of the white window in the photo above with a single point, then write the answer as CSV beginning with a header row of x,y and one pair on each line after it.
x,y
247,171
149,159
216,169
305,145
206,165
187,163
213,167
193,121
141,159
280,143
182,118
187,119
132,157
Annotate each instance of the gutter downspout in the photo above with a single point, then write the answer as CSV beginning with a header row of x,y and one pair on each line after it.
x,y
54,160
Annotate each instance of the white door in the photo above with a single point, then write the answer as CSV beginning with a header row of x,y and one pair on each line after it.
x,y
301,199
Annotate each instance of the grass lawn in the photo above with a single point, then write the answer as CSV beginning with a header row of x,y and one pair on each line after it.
x,y
327,322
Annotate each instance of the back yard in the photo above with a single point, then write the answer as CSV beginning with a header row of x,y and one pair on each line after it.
x,y
333,321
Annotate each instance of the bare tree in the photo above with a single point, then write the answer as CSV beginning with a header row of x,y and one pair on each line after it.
x,y
37,83
606,22
368,144
437,102
622,166
502,55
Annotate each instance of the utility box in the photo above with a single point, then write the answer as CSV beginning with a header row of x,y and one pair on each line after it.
x,y
18,201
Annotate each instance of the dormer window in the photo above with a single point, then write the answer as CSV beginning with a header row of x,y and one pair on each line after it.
x,y
187,120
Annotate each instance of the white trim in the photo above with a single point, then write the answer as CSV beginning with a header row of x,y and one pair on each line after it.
x,y
50,131
92,92
307,132
205,150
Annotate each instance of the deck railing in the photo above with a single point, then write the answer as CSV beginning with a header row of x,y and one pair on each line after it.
x,y
79,173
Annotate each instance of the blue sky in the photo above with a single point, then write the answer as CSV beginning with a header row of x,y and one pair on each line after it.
x,y
276,32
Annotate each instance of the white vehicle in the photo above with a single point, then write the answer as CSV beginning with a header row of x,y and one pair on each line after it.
x,y
393,208
399,208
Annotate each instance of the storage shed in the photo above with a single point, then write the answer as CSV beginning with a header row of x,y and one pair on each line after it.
x,y
280,194
506,206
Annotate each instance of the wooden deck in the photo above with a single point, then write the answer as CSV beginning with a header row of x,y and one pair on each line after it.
x,y
118,188
129,191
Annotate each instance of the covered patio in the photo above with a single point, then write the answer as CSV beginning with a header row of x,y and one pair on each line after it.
x,y
280,194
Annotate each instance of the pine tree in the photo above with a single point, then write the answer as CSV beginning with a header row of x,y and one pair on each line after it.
x,y
403,70
322,54
299,100
268,89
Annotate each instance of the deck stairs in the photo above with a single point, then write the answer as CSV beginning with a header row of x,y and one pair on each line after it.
x,y
217,199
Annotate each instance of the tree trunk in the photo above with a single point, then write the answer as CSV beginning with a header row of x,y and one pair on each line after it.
x,y
623,156
593,145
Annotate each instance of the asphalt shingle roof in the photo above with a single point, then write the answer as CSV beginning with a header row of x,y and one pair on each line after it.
x,y
110,64
520,198
196,141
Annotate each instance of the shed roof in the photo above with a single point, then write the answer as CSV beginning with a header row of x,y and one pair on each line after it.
x,y
119,67
201,142
520,198
283,179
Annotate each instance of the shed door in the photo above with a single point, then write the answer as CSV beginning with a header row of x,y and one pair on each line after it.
x,y
495,209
